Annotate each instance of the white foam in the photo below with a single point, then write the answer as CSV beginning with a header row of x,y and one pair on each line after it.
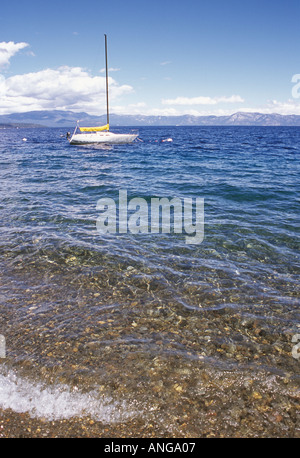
x,y
58,401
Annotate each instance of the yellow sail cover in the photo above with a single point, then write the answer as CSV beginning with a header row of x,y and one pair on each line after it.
x,y
94,129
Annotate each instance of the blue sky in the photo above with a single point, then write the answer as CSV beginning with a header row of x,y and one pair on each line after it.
x,y
166,57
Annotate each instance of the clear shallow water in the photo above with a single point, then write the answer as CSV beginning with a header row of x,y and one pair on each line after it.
x,y
183,334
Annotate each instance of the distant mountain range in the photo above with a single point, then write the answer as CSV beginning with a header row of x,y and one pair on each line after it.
x,y
60,118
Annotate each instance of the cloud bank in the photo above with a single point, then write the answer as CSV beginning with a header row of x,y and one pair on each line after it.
x,y
64,88
202,100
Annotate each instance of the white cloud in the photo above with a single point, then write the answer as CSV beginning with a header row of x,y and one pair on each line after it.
x,y
132,108
142,109
8,50
70,88
163,112
111,69
166,62
288,107
285,108
202,100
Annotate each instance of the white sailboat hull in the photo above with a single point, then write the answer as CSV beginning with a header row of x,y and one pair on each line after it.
x,y
100,134
107,138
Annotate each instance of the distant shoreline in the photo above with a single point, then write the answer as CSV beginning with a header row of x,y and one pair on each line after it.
x,y
118,126
19,126
61,118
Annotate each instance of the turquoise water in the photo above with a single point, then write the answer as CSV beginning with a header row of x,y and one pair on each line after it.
x,y
147,321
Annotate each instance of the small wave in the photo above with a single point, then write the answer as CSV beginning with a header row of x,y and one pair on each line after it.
x,y
54,402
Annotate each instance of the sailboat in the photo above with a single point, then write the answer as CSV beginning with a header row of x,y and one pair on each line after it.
x,y
100,134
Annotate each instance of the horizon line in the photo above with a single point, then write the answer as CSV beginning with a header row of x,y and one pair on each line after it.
x,y
153,115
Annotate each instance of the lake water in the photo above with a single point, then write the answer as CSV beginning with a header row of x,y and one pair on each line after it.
x,y
190,339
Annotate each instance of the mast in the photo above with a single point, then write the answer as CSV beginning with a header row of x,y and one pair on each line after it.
x,y
106,67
